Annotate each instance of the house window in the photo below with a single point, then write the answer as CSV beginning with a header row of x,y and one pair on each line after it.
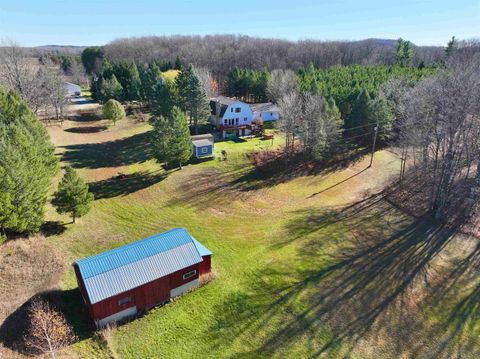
x,y
271,113
191,274
204,149
244,119
226,121
236,121
124,301
238,109
231,109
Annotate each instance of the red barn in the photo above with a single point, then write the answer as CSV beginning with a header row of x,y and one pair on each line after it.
x,y
122,282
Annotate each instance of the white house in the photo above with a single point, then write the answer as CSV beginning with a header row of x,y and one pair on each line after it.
x,y
233,118
266,111
72,89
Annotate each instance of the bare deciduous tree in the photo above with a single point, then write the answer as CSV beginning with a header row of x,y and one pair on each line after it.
x,y
310,119
41,86
207,81
48,331
221,53
439,122
20,74
280,83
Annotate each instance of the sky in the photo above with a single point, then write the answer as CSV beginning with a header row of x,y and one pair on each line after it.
x,y
89,22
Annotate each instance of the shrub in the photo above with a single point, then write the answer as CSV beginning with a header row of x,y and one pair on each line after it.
x,y
113,110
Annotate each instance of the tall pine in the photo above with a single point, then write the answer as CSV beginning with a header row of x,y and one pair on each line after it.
x,y
171,138
193,97
165,98
27,166
359,117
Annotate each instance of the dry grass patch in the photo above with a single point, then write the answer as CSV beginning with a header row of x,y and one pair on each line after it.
x,y
27,266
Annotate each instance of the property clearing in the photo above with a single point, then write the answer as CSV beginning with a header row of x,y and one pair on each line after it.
x,y
308,266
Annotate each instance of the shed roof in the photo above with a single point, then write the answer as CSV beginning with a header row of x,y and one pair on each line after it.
x,y
127,267
202,142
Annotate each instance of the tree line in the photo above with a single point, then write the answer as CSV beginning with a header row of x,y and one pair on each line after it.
x,y
355,90
438,125
222,53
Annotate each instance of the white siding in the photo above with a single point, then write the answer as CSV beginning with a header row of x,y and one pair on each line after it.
x,y
245,114
124,314
266,116
184,288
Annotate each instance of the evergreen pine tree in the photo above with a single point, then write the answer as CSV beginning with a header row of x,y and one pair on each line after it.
x,y
128,76
165,98
193,98
359,116
72,196
171,138
27,165
178,64
404,52
452,46
150,77
110,88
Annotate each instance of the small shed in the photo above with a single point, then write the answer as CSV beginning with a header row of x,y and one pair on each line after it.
x,y
203,146
120,283
72,89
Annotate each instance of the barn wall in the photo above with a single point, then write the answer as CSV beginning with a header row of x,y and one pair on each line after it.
x,y
143,297
176,279
83,291
205,267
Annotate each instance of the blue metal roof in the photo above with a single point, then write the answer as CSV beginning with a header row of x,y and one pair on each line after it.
x,y
124,268
204,251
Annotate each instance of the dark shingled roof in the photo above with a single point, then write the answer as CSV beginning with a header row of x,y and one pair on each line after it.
x,y
224,100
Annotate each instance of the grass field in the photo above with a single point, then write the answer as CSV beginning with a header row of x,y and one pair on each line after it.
x,y
309,266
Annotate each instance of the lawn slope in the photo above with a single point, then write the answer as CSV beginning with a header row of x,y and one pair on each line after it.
x,y
310,266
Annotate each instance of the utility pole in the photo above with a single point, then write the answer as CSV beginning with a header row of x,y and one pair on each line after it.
x,y
373,145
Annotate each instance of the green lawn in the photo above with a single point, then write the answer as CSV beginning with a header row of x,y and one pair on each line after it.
x,y
305,266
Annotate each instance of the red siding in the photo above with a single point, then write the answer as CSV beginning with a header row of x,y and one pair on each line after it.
x,y
143,297
176,279
205,267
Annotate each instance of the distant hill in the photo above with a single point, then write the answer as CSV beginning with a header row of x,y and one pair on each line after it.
x,y
70,49
381,42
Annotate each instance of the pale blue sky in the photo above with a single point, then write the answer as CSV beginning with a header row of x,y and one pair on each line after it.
x,y
89,22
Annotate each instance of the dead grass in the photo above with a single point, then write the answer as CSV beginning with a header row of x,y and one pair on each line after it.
x,y
27,267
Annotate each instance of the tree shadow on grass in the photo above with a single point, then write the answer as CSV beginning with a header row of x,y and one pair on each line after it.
x,y
458,292
126,184
86,129
221,186
367,288
86,116
52,228
125,151
68,302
